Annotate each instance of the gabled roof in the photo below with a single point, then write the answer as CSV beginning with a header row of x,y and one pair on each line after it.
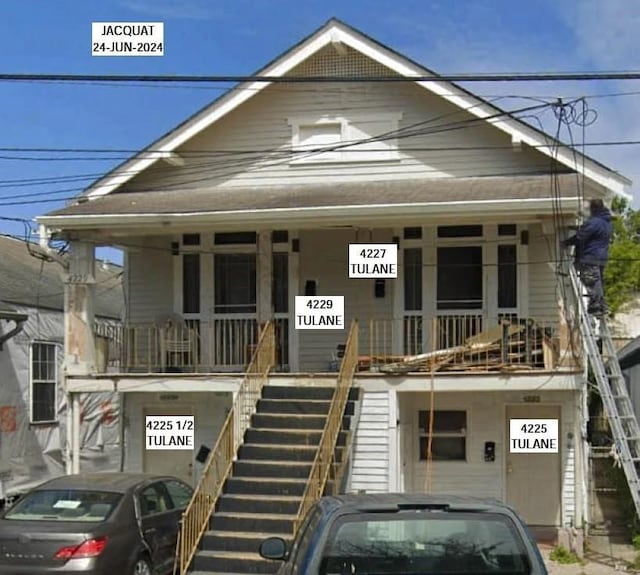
x,y
337,32
32,282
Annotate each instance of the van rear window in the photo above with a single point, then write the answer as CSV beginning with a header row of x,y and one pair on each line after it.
x,y
419,542
65,505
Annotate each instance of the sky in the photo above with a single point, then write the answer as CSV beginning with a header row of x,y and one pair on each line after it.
x,y
236,37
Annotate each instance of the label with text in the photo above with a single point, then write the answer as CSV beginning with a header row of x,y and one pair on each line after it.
x,y
170,431
319,312
373,261
127,39
533,436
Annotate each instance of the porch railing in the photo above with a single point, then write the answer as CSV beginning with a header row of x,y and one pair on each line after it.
x,y
324,461
195,518
223,344
467,342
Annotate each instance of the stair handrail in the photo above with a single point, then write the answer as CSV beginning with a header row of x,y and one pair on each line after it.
x,y
195,518
324,459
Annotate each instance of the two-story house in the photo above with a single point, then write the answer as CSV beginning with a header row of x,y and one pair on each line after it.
x,y
255,200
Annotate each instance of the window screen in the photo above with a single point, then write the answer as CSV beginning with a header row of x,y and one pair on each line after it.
x,y
235,283
460,283
507,276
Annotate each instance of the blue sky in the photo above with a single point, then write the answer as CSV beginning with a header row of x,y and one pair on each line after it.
x,y
238,36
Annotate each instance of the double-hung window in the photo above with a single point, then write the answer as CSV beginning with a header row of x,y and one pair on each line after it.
x,y
44,382
448,435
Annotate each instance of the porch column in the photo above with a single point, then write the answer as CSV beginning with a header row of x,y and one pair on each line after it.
x,y
265,277
79,288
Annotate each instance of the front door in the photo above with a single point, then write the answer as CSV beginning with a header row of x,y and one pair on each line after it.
x,y
533,479
177,463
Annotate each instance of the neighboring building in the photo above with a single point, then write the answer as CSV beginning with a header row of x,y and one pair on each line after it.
x,y
625,326
255,199
33,406
629,358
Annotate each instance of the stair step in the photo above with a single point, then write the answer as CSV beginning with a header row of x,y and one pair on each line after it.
x,y
276,452
284,437
297,421
275,469
238,540
262,486
263,522
233,562
304,392
243,503
296,406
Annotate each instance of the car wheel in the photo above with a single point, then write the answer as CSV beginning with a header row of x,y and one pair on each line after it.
x,y
142,567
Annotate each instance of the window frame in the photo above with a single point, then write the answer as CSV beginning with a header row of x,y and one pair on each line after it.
x,y
424,433
56,350
347,126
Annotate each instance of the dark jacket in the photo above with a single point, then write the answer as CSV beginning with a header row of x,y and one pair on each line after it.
x,y
592,239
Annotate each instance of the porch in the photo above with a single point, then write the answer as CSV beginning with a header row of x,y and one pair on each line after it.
x,y
412,343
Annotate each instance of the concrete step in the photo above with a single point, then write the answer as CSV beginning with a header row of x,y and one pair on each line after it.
x,y
295,406
233,562
259,523
304,392
298,421
262,486
275,452
277,469
244,541
307,437
243,503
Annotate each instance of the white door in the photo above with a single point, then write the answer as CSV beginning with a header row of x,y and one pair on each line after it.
x,y
534,479
175,462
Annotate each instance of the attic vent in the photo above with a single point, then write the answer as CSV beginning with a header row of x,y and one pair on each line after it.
x,y
330,62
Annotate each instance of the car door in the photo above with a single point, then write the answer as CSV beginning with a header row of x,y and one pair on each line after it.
x,y
180,494
158,524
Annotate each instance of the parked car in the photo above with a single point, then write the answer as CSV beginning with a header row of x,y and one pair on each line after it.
x,y
410,535
94,524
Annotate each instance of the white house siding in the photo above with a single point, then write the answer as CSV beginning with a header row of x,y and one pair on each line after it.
x,y
370,464
543,283
33,453
261,125
324,258
209,409
486,422
149,278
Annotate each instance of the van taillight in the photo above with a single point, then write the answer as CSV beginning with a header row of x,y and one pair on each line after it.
x,y
89,548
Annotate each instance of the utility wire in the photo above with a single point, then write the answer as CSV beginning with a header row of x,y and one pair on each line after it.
x,y
213,79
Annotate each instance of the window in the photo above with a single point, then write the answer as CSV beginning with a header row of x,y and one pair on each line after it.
x,y
353,139
235,283
280,287
191,239
460,284
191,283
280,237
507,276
65,505
44,382
413,279
412,233
507,229
459,231
235,238
179,492
449,441
154,499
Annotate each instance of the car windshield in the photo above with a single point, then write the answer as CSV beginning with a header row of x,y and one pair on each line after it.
x,y
65,505
419,542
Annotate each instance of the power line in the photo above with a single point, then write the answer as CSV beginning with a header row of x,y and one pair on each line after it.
x,y
460,77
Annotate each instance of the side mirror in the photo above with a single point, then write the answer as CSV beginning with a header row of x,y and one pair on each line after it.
x,y
274,548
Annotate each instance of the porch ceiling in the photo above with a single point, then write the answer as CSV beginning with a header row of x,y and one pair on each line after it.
x,y
315,201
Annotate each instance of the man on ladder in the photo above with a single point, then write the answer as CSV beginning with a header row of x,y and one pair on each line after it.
x,y
591,241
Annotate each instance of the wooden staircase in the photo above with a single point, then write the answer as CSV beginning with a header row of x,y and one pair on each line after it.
x,y
263,493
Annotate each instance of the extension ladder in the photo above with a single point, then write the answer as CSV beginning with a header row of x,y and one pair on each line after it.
x,y
613,391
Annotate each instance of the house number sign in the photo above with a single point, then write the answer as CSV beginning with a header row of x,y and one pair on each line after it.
x,y
170,431
319,312
373,261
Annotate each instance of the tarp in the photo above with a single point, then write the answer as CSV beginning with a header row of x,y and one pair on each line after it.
x,y
31,453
